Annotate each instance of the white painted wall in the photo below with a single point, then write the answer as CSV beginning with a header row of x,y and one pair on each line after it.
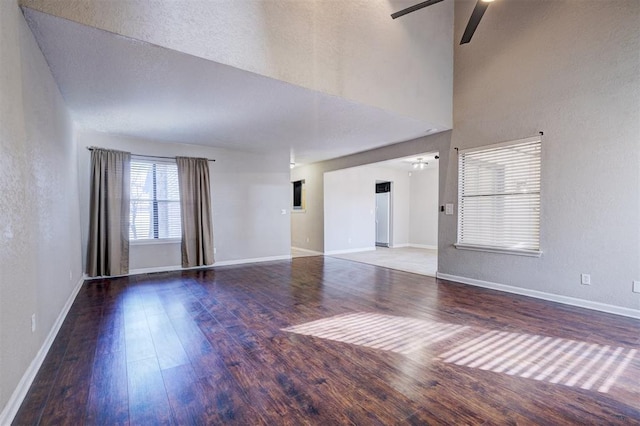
x,y
574,73
349,196
423,208
343,48
39,232
349,207
248,193
311,223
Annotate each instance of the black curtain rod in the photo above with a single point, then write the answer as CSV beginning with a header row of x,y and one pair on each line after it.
x,y
91,148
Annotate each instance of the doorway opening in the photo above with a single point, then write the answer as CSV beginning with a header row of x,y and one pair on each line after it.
x,y
395,225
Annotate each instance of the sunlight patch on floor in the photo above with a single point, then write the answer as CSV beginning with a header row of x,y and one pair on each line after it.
x,y
553,360
386,332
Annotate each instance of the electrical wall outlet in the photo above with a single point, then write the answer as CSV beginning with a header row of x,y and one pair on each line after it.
x,y
33,323
215,250
585,279
636,286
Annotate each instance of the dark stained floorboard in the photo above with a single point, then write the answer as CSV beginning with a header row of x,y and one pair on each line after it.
x,y
209,347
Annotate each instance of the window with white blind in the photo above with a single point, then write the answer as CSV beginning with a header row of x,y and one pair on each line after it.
x,y
155,201
499,197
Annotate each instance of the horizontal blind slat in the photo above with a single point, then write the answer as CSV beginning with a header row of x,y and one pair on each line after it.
x,y
154,212
499,196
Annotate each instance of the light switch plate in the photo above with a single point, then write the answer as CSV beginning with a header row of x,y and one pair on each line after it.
x,y
448,209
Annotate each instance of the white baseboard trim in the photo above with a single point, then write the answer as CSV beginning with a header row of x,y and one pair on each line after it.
x,y
582,303
148,271
319,253
180,268
423,246
355,250
254,260
159,269
13,405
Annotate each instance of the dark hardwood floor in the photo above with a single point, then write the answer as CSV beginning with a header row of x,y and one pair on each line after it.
x,y
329,341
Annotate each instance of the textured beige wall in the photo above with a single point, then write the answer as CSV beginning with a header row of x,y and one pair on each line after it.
x,y
343,48
39,232
572,70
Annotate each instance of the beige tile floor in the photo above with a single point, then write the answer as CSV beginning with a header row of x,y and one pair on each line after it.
x,y
409,259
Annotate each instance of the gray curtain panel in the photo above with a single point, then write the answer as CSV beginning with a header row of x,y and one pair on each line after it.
x,y
195,209
108,249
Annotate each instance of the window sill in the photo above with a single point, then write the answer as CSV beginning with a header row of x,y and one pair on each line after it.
x,y
154,241
298,210
501,250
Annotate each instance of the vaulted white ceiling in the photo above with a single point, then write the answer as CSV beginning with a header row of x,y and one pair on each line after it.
x,y
304,92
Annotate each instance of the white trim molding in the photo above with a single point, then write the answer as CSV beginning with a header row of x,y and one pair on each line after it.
x,y
582,303
423,246
412,245
355,250
145,271
254,260
319,253
15,401
158,269
180,268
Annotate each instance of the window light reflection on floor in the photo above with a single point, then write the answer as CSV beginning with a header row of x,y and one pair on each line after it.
x,y
386,332
554,360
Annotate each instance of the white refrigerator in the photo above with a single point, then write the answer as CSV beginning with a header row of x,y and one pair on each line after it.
x,y
382,218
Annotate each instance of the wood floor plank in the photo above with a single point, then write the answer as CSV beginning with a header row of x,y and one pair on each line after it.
x,y
70,390
284,357
182,391
138,340
168,347
39,392
148,401
261,389
215,399
215,346
108,402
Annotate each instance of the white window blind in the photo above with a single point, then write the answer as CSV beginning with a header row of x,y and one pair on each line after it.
x,y
155,200
499,196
